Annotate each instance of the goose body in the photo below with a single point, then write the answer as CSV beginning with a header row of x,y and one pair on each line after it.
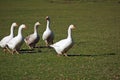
x,y
15,43
6,39
48,35
62,46
34,38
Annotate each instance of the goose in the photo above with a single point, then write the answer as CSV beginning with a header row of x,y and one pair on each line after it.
x,y
15,43
62,46
48,35
6,39
33,39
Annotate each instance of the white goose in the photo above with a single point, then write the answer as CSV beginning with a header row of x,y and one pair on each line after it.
x,y
33,39
15,43
64,45
6,39
48,35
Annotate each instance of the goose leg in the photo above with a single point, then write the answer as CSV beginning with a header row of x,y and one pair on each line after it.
x,y
9,50
59,54
4,50
17,52
28,46
65,55
46,43
33,46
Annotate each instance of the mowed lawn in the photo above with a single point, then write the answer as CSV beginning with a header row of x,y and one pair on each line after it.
x,y
95,54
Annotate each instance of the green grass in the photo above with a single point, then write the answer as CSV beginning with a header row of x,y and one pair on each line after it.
x,y
95,55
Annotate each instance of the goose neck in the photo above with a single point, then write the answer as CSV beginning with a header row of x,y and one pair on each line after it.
x,y
69,33
11,31
35,29
20,31
48,24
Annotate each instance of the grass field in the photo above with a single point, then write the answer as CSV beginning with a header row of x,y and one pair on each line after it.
x,y
95,55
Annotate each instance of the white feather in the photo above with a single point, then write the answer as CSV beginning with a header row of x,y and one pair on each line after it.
x,y
16,42
33,39
62,46
48,35
6,39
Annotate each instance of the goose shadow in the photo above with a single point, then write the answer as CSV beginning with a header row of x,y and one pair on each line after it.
x,y
91,55
42,47
23,51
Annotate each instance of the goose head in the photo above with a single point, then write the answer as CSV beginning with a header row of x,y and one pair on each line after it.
x,y
48,23
37,24
12,28
69,31
47,18
72,26
23,26
14,24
